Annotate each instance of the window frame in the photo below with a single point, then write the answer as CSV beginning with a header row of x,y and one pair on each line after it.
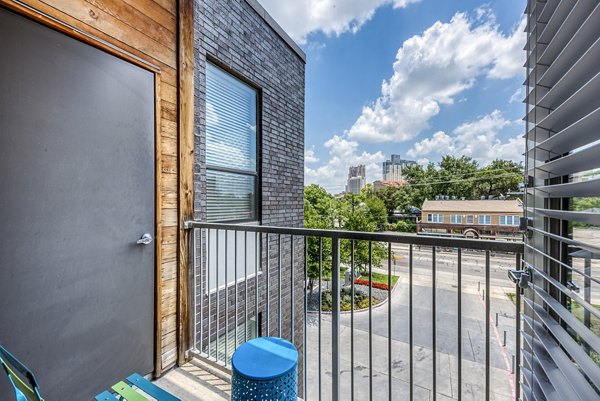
x,y
438,220
516,220
510,220
487,219
472,217
257,209
456,219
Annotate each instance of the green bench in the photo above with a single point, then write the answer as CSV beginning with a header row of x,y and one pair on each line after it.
x,y
125,390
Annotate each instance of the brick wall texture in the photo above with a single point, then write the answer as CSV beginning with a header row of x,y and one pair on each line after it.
x,y
233,35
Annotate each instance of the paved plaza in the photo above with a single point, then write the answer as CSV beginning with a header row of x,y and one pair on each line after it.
x,y
473,334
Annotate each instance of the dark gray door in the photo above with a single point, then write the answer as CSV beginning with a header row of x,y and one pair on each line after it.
x,y
76,193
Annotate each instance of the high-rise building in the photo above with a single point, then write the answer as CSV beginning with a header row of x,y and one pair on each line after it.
x,y
357,171
393,168
357,177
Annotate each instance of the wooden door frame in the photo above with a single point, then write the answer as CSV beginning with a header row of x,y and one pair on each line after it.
x,y
89,39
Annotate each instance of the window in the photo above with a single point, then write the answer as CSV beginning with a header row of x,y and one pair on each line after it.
x,y
485,219
456,219
509,220
470,219
225,249
231,148
233,339
435,218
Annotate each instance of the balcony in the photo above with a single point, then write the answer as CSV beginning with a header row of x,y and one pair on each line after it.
x,y
257,281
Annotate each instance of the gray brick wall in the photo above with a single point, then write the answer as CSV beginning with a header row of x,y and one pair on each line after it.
x,y
233,35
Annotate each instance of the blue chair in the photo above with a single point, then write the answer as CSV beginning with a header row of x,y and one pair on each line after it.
x,y
265,368
18,374
123,390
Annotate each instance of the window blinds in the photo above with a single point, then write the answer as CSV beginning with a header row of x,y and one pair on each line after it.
x,y
231,147
561,355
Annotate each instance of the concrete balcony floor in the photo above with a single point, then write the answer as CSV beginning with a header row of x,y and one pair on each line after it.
x,y
195,381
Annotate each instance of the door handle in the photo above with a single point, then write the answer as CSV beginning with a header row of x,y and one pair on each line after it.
x,y
145,240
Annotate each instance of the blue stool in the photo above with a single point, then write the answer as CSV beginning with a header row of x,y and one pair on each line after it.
x,y
265,369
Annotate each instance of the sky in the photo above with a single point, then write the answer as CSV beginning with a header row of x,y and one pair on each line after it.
x,y
419,78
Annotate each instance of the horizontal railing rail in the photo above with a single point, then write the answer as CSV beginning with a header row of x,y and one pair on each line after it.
x,y
254,280
398,238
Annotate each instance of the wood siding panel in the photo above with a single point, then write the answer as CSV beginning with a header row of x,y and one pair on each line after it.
x,y
102,21
156,12
186,171
146,30
137,20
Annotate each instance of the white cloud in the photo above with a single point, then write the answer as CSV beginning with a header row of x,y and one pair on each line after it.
x,y
309,156
518,96
332,17
432,69
478,139
343,154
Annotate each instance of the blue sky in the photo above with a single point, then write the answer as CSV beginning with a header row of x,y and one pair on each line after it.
x,y
421,78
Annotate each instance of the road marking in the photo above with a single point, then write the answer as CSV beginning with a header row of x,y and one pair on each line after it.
x,y
503,351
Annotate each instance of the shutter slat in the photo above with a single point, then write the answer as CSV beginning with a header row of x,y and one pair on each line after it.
x,y
587,188
563,340
579,244
564,376
541,383
578,75
581,41
578,134
563,24
563,337
545,357
584,160
571,294
581,217
546,11
581,103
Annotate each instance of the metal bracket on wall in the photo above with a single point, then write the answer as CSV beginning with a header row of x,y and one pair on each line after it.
x,y
520,277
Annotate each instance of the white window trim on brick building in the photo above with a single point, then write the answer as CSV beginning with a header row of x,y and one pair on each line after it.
x,y
435,218
456,219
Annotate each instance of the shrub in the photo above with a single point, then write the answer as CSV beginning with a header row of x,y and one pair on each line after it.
x,y
363,303
406,226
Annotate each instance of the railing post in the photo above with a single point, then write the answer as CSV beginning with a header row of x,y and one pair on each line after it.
x,y
335,319
517,365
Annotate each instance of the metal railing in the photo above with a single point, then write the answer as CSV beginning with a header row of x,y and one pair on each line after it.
x,y
258,280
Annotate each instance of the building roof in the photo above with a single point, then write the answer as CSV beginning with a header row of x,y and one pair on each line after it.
x,y
395,184
494,206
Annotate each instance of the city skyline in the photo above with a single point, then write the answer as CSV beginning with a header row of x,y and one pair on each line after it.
x,y
410,92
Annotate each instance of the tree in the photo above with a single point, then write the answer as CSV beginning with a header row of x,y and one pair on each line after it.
x,y
319,212
584,204
376,212
389,197
499,178
462,177
363,216
455,176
